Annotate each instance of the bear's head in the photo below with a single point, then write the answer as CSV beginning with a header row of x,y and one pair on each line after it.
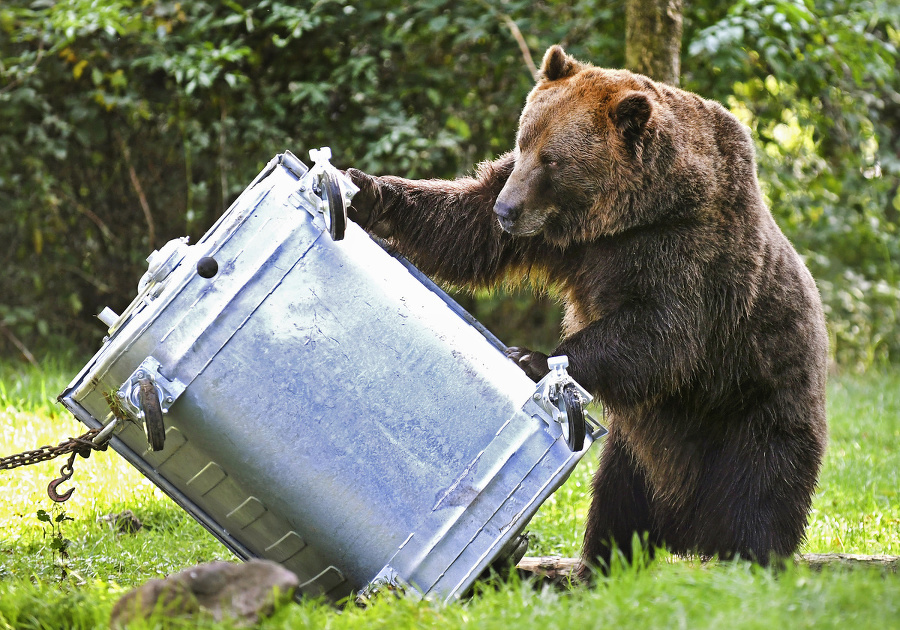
x,y
595,153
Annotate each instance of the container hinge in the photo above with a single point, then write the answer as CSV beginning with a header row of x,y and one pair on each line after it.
x,y
292,163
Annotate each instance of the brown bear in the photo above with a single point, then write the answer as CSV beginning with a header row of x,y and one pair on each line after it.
x,y
687,311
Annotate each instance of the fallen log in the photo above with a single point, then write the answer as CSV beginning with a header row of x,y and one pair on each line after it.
x,y
556,568
890,564
549,567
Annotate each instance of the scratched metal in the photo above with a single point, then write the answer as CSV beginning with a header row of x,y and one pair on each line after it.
x,y
329,407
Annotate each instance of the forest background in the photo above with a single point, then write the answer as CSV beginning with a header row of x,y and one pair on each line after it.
x,y
124,124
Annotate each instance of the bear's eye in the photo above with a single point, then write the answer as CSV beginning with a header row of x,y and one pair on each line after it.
x,y
550,162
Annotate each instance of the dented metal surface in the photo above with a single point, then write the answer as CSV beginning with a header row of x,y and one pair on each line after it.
x,y
326,406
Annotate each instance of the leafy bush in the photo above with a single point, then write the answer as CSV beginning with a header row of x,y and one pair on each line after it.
x,y
130,123
819,87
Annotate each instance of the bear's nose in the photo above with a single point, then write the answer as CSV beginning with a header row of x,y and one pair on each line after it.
x,y
506,213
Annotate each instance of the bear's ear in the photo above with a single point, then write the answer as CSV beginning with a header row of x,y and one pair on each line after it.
x,y
631,115
557,65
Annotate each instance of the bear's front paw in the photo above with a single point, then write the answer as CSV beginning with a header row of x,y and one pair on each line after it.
x,y
534,363
364,201
367,204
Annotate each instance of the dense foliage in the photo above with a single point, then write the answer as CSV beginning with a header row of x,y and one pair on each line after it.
x,y
129,122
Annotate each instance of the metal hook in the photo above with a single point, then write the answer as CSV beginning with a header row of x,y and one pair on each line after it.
x,y
59,498
65,474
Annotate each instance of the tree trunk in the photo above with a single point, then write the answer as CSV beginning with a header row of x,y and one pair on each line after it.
x,y
653,38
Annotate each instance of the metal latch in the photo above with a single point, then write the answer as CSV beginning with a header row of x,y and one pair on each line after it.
x,y
564,399
147,395
161,263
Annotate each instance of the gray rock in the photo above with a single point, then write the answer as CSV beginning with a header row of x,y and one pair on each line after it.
x,y
242,592
123,522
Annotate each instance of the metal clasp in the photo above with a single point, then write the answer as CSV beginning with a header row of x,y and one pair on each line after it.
x,y
160,263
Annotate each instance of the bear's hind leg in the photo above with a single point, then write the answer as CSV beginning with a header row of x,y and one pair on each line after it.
x,y
620,508
755,498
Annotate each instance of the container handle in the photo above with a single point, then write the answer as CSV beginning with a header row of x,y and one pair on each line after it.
x,y
574,428
152,411
336,217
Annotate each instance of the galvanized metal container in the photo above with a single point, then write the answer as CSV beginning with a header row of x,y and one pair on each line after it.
x,y
323,404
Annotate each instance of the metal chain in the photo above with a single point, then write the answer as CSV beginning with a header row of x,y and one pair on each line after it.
x,y
81,444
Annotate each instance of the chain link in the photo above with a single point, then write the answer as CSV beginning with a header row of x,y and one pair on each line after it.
x,y
81,445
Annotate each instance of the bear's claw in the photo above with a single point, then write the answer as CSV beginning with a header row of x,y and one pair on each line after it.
x,y
533,363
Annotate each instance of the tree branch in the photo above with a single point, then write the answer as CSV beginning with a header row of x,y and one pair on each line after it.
x,y
223,164
517,35
136,184
520,40
40,55
18,344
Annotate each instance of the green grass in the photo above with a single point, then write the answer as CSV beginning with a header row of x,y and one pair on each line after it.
x,y
857,510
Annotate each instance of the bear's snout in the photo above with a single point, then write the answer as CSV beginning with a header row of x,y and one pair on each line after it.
x,y
507,214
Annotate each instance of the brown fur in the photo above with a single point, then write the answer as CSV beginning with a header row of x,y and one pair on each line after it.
x,y
688,313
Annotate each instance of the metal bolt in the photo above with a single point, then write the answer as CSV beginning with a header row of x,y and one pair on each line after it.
x,y
170,400
120,394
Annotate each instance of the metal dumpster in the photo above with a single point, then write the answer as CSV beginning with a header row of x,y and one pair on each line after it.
x,y
322,404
